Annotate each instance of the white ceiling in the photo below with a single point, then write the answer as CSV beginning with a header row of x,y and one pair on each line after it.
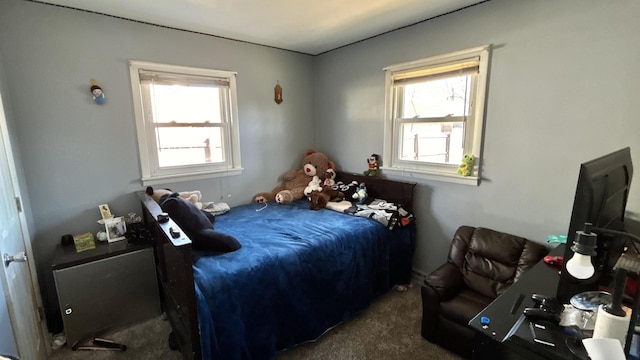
x,y
306,26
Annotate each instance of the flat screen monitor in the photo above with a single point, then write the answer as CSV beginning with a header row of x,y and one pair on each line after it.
x,y
600,199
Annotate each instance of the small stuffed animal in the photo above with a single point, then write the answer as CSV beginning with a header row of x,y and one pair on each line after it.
x,y
319,199
466,167
193,197
329,177
372,162
197,224
347,189
361,194
314,185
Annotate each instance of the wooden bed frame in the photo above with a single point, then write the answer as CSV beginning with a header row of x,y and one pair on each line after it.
x,y
174,259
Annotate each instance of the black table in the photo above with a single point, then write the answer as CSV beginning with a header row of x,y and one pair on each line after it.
x,y
508,336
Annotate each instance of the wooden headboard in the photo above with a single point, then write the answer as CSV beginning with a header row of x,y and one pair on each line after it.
x,y
398,192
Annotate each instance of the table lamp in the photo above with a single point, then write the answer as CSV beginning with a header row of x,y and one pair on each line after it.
x,y
611,321
584,247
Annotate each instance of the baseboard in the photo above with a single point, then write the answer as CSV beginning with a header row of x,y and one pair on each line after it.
x,y
418,276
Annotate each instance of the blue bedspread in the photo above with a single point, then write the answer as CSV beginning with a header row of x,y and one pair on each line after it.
x,y
298,273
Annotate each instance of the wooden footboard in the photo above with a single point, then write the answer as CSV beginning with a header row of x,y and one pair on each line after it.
x,y
174,262
174,258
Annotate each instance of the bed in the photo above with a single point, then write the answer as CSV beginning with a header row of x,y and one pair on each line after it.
x,y
299,273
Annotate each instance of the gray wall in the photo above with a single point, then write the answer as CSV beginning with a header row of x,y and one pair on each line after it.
x,y
77,154
563,89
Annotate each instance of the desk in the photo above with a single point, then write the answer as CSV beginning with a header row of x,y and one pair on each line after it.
x,y
496,342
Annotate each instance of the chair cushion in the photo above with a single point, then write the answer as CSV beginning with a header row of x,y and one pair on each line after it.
x,y
494,260
462,308
446,281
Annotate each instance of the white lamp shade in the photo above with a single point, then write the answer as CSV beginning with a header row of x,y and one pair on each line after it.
x,y
579,266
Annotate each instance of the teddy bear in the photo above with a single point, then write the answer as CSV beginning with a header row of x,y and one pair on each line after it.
x,y
295,181
319,199
466,167
197,224
194,197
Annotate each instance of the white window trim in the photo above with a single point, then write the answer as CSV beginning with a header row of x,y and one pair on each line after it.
x,y
147,154
440,172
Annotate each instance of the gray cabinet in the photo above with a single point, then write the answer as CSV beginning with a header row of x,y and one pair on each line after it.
x,y
106,289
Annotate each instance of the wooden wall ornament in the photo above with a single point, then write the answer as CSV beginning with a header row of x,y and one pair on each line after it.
x,y
277,93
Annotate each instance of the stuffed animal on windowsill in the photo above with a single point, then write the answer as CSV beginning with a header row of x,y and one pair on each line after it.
x,y
373,162
466,167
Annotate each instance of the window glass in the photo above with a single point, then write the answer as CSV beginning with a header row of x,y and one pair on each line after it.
x,y
435,112
186,120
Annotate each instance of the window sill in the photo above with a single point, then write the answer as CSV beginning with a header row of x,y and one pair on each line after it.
x,y
155,180
433,175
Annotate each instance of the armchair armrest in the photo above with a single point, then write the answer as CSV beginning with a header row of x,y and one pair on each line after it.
x,y
446,280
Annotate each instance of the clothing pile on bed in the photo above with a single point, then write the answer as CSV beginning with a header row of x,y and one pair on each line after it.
x,y
386,213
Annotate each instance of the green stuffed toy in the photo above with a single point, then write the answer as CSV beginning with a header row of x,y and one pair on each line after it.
x,y
466,167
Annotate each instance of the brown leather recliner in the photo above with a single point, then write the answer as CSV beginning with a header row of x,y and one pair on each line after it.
x,y
481,264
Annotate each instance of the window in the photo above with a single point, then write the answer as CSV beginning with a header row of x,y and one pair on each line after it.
x,y
187,122
434,115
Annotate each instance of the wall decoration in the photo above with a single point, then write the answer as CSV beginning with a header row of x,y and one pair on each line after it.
x,y
96,90
278,93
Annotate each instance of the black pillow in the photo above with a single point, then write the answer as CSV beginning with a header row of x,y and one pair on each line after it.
x,y
197,225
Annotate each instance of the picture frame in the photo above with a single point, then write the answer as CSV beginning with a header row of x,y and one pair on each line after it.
x,y
105,212
115,228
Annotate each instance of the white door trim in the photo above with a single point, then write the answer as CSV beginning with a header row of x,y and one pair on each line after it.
x,y
26,239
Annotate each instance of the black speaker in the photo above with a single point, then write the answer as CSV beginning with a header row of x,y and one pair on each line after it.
x,y
66,240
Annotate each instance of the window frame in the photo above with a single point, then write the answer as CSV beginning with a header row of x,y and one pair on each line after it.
x,y
151,172
473,138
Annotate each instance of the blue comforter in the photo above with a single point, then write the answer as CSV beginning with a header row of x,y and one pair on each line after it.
x,y
299,272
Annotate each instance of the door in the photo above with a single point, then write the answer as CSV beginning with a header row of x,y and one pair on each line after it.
x,y
16,276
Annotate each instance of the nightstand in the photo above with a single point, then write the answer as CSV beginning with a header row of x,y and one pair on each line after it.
x,y
109,287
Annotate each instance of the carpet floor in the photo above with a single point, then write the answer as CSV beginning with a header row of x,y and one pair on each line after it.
x,y
388,329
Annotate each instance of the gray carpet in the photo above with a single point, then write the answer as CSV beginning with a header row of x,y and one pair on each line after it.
x,y
388,329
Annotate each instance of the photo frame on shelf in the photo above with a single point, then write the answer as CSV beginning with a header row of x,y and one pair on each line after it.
x,y
115,228
105,212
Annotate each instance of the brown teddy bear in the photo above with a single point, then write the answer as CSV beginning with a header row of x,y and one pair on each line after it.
x,y
319,199
295,181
